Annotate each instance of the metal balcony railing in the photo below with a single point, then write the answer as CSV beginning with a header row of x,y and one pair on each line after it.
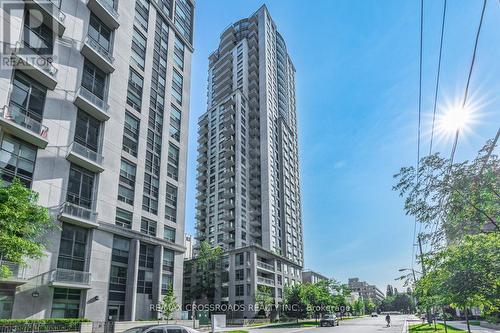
x,y
99,49
79,212
61,275
85,152
264,265
15,115
94,99
35,59
264,280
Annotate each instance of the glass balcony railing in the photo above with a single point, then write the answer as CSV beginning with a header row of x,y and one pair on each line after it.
x,y
264,265
36,60
15,115
85,152
69,276
264,280
52,7
109,7
79,212
16,271
93,98
103,52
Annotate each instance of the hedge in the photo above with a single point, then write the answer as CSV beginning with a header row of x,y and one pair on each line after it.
x,y
68,321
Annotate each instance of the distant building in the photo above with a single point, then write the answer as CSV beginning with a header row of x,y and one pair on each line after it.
x,y
309,276
188,244
365,290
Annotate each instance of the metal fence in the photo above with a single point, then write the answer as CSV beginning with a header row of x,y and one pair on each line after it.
x,y
40,327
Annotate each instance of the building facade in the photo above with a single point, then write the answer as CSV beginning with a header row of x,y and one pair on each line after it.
x,y
95,119
188,244
365,290
248,171
309,276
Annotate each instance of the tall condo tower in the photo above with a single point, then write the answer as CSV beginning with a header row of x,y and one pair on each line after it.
x,y
248,170
94,118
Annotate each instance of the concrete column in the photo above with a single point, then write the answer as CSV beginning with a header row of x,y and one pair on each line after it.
x,y
157,278
133,267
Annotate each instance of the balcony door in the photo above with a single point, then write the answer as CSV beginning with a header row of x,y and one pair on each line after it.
x,y
99,33
27,97
80,187
94,80
73,248
87,131
37,35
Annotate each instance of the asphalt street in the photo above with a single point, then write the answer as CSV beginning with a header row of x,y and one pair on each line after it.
x,y
362,325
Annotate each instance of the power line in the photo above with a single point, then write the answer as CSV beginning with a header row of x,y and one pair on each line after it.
x,y
438,75
471,68
419,119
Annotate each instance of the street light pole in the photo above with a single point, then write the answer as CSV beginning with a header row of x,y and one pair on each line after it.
x,y
427,309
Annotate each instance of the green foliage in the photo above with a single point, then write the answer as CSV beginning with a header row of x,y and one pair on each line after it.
x,y
264,299
168,304
399,302
294,304
359,307
370,306
25,325
430,328
462,198
23,225
207,259
43,321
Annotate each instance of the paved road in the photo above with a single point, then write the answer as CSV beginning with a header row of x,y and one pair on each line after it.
x,y
363,325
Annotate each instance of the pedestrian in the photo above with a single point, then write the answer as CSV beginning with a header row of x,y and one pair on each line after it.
x,y
388,320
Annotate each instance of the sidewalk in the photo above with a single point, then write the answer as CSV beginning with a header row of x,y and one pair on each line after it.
x,y
474,329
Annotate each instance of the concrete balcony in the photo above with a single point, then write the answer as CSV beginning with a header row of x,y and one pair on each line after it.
x,y
97,54
202,158
92,104
265,266
203,130
228,226
85,157
229,162
78,215
228,152
36,66
13,121
17,273
265,281
53,17
228,239
105,11
68,278
227,204
228,194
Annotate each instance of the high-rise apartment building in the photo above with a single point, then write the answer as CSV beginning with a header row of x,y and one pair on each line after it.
x,y
95,118
248,170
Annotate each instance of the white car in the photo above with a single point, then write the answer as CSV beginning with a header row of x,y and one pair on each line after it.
x,y
164,328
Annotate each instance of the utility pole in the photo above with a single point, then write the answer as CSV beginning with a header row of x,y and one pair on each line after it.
x,y
427,310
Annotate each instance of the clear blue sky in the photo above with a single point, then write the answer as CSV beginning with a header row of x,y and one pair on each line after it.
x,y
357,92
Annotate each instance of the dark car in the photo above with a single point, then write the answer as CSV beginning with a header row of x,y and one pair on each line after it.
x,y
329,320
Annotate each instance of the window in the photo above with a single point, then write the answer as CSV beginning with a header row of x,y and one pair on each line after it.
x,y
177,81
17,159
121,247
117,283
173,162
87,131
179,52
72,248
134,91
239,259
138,48
66,303
126,187
27,97
169,234
148,227
166,282
168,260
150,194
80,187
239,274
239,290
144,282
131,134
99,33
123,218
175,123
93,80
142,13
37,35
184,18
146,256
171,203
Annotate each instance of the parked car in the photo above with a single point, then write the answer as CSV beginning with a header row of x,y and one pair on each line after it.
x,y
374,314
163,328
329,320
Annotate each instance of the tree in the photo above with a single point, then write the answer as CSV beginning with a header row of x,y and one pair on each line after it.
x,y
465,274
23,225
460,198
168,304
294,304
206,263
264,299
390,291
370,306
359,307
